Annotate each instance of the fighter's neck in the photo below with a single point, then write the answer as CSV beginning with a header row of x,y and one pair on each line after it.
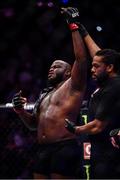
x,y
58,85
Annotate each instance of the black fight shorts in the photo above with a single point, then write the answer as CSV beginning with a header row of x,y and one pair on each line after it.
x,y
61,157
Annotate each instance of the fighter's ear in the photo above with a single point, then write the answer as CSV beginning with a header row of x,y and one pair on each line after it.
x,y
67,73
110,68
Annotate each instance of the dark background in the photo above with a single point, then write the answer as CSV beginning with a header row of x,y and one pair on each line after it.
x,y
32,35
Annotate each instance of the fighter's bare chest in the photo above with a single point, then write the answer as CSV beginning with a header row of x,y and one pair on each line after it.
x,y
51,99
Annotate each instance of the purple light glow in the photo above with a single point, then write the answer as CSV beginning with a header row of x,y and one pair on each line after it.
x,y
50,4
40,4
8,12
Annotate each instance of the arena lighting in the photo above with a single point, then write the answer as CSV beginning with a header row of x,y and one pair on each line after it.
x,y
50,4
99,28
40,4
65,1
45,4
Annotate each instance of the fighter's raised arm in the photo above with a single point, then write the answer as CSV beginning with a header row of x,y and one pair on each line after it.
x,y
79,69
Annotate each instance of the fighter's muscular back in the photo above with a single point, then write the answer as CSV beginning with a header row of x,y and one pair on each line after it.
x,y
62,102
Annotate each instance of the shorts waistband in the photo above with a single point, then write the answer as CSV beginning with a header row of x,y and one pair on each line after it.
x,y
66,141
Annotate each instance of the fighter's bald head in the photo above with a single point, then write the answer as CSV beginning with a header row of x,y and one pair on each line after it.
x,y
65,64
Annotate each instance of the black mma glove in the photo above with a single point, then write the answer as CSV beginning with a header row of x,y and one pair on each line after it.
x,y
70,126
18,102
72,17
71,14
115,137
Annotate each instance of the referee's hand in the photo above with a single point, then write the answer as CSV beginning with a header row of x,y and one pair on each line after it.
x,y
70,126
115,137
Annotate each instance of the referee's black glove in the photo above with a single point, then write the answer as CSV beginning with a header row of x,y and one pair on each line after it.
x,y
70,126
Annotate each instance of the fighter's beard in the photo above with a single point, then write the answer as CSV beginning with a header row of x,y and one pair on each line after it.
x,y
54,82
